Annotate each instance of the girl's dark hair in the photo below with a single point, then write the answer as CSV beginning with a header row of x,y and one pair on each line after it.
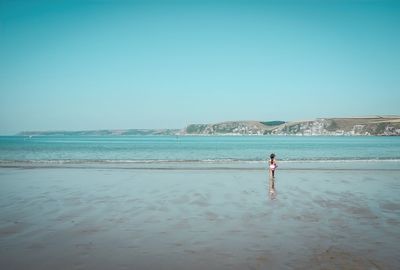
x,y
272,155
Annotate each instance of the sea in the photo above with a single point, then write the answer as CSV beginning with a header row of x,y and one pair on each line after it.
x,y
201,151
199,202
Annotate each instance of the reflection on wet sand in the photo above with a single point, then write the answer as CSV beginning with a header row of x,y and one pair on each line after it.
x,y
204,219
272,189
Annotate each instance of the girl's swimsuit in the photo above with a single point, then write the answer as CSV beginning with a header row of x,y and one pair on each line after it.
x,y
272,166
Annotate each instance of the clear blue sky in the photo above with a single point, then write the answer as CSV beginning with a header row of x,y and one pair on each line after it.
x,y
72,65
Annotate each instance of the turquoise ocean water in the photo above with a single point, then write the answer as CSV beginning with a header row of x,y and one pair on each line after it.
x,y
195,149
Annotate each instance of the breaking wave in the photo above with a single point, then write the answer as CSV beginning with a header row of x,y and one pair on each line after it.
x,y
208,164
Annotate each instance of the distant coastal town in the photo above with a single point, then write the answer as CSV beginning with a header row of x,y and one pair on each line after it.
x,y
351,126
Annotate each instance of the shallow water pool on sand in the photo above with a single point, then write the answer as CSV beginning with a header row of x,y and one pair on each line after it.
x,y
55,218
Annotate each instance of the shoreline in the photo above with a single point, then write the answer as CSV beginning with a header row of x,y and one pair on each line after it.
x,y
312,165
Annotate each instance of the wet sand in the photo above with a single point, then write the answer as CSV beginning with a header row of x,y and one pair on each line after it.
x,y
54,218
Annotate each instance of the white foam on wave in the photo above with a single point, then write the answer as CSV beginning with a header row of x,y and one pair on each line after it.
x,y
217,161
209,164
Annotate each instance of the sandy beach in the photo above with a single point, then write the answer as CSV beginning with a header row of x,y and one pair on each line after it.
x,y
76,218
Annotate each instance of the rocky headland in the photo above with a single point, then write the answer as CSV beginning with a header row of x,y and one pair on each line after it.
x,y
354,126
351,126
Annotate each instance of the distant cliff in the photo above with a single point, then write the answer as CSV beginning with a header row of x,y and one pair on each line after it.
x,y
233,128
343,126
102,132
355,126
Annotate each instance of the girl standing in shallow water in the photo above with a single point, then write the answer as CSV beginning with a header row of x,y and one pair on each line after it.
x,y
272,165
